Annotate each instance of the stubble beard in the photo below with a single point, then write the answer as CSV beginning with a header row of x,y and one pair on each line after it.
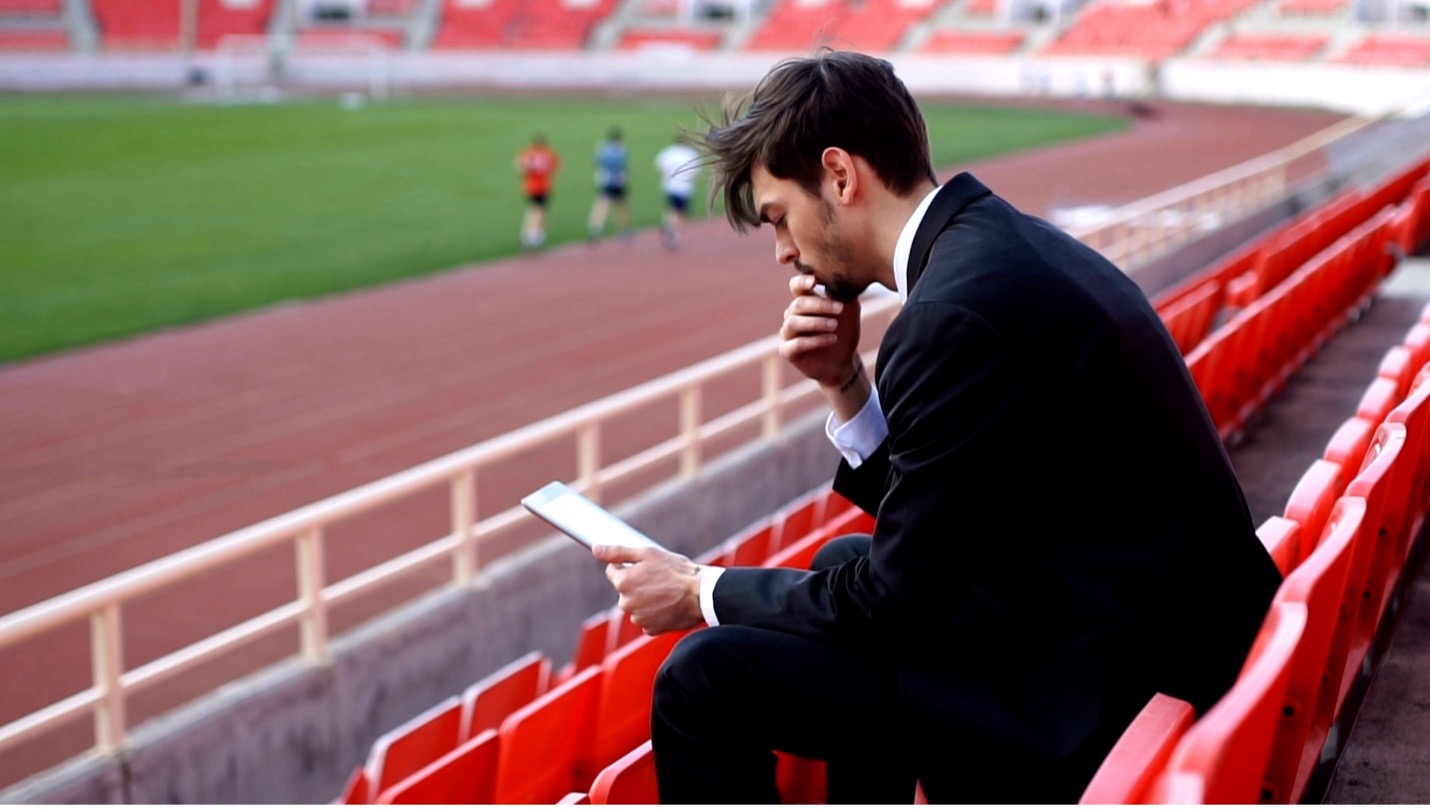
x,y
837,256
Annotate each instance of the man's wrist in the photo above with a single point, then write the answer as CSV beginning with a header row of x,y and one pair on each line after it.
x,y
854,377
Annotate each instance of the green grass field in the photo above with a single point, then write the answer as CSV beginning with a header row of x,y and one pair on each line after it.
x,y
121,214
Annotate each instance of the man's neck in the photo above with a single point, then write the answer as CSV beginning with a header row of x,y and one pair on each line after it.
x,y
891,218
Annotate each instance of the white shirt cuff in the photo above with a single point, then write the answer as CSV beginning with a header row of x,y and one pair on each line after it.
x,y
708,576
857,438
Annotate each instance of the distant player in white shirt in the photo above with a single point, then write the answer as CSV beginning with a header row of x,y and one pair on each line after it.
x,y
679,166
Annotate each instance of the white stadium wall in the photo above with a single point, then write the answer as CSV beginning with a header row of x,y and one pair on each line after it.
x,y
1351,89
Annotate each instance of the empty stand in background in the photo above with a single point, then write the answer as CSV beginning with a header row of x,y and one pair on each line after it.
x,y
519,24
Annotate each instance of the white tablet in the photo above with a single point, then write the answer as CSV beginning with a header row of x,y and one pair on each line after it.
x,y
583,520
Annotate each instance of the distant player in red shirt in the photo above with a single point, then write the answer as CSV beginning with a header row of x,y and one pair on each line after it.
x,y
538,164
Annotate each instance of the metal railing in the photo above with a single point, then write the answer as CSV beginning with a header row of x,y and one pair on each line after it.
x,y
102,603
1155,226
1139,232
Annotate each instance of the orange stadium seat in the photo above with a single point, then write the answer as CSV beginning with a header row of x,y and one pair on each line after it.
x,y
545,746
465,775
493,698
1222,757
413,745
630,780
1131,768
1319,584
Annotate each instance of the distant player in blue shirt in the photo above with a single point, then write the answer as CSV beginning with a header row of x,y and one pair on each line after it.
x,y
611,160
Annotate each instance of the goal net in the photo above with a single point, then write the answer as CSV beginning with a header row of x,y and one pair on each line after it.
x,y
351,65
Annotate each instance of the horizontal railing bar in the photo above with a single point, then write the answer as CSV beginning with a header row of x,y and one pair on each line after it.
x,y
357,583
41,720
157,670
76,604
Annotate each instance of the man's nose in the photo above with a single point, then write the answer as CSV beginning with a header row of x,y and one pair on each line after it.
x,y
784,251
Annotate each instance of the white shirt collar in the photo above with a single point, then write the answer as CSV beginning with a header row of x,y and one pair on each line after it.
x,y
905,245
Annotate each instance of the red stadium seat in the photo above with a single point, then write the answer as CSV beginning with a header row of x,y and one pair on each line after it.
x,y
545,746
1131,768
1414,414
1378,400
1222,758
1319,584
492,699
1348,446
1311,501
1282,539
1381,482
627,680
463,776
414,744
592,643
630,780
358,790
752,548
794,522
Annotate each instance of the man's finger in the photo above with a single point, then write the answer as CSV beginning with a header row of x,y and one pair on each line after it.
x,y
618,554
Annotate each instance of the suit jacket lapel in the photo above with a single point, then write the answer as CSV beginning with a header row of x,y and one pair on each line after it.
x,y
950,199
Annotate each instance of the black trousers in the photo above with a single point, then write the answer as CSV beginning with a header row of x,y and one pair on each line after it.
x,y
728,696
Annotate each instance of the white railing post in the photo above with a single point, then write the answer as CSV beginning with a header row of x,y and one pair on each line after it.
x,y
771,390
108,658
690,431
588,460
314,624
464,518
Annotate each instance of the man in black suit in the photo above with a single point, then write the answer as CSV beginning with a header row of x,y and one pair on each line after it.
x,y
1059,531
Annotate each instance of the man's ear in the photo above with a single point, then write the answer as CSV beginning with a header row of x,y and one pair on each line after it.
x,y
840,172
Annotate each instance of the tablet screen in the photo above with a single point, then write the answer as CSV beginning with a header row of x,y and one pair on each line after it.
x,y
582,519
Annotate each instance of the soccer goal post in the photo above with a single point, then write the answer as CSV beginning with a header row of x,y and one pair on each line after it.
x,y
249,68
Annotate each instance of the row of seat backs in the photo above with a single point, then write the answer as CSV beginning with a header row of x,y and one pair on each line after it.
x,y
1249,358
1264,740
1342,544
1192,307
526,734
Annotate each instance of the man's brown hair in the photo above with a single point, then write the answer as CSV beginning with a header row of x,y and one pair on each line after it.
x,y
803,106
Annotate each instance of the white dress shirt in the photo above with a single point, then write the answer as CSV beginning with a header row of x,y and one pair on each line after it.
x,y
857,438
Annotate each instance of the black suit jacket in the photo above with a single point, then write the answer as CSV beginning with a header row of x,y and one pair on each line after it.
x,y
1059,530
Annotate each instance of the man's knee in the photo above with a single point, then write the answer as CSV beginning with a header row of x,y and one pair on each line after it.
x,y
839,550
